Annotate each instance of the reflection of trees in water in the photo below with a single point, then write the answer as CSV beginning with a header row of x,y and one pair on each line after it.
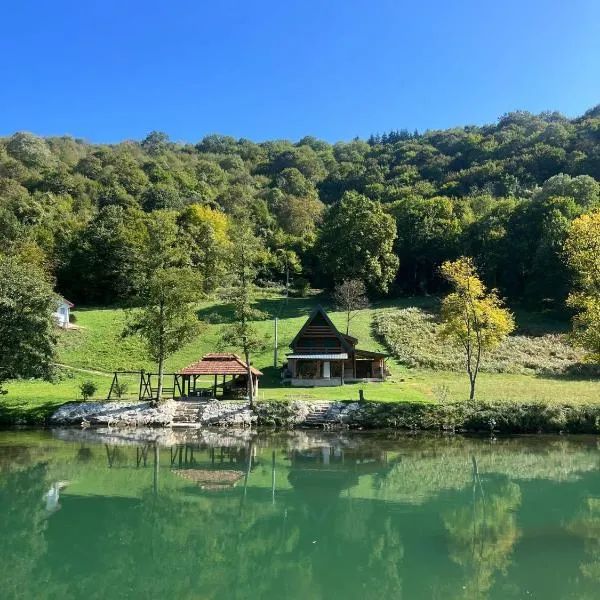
x,y
427,467
482,535
13,455
587,525
353,545
22,529
186,542
375,544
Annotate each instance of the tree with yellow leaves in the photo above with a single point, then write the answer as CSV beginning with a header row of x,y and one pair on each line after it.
x,y
473,317
582,251
205,232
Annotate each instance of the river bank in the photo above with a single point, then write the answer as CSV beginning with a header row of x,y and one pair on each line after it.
x,y
504,418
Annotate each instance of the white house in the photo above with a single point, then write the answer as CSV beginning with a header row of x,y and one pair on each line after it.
x,y
62,315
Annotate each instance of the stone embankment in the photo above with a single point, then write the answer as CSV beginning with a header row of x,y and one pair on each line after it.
x,y
500,417
197,413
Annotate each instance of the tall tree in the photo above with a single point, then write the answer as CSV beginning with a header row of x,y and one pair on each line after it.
x,y
357,241
582,251
205,233
473,317
27,326
246,258
166,318
350,296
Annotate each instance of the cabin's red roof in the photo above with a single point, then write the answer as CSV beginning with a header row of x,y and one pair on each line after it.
x,y
63,299
219,363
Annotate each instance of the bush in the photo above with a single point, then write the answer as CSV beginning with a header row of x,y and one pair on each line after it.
x,y
120,389
507,418
215,318
88,389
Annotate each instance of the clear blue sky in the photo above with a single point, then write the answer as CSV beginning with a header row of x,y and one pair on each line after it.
x,y
108,70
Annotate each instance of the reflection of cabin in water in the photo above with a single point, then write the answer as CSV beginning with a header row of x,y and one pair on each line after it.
x,y
226,373
320,475
224,468
323,356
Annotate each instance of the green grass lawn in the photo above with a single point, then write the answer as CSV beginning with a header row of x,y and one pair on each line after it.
x,y
97,346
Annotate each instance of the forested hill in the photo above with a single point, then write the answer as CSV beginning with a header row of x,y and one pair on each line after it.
x,y
503,193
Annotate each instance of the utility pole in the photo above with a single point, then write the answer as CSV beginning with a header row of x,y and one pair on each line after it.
x,y
275,346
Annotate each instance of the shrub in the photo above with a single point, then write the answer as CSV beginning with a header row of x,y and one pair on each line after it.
x,y
88,389
214,318
505,417
120,389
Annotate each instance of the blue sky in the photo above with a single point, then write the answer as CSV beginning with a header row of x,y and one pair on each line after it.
x,y
109,70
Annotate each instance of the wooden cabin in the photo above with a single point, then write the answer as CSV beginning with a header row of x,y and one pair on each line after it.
x,y
323,356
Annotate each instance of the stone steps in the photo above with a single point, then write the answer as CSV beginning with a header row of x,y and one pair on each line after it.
x,y
318,414
187,412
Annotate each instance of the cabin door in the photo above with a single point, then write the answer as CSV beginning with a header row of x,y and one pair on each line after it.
x,y
326,370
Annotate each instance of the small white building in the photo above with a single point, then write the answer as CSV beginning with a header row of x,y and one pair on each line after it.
x,y
62,314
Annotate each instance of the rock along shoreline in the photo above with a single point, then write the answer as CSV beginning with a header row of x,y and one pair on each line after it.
x,y
505,417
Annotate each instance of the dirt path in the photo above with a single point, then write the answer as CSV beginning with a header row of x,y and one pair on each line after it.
x,y
90,371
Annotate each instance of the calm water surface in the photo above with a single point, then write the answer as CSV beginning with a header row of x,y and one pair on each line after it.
x,y
222,515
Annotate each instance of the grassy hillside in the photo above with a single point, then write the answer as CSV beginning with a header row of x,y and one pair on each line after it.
x,y
96,349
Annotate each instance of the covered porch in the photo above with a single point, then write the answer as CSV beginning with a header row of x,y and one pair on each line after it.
x,y
332,369
368,366
310,370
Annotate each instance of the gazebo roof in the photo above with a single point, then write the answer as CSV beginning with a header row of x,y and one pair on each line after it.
x,y
219,363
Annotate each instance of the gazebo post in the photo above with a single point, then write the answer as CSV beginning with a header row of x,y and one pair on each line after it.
x,y
215,387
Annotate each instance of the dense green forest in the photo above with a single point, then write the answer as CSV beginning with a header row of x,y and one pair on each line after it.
x,y
388,210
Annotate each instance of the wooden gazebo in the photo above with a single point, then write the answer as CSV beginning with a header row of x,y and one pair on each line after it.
x,y
230,367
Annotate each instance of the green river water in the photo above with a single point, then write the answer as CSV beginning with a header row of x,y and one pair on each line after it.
x,y
226,514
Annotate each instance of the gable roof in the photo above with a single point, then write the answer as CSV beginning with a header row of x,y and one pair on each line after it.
x,y
219,363
320,310
63,300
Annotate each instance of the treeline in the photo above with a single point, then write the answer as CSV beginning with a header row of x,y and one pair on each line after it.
x,y
388,210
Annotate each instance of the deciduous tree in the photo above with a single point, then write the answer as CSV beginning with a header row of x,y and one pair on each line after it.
x,y
350,296
27,326
166,319
357,241
582,251
246,257
473,317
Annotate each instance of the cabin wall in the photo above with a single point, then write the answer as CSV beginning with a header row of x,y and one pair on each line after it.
x,y
62,315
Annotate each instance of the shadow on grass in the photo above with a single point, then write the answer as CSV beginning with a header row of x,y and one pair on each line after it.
x,y
283,308
538,324
575,372
271,378
27,414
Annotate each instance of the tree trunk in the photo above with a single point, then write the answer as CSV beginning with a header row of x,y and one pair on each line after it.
x,y
250,382
472,378
161,369
161,354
